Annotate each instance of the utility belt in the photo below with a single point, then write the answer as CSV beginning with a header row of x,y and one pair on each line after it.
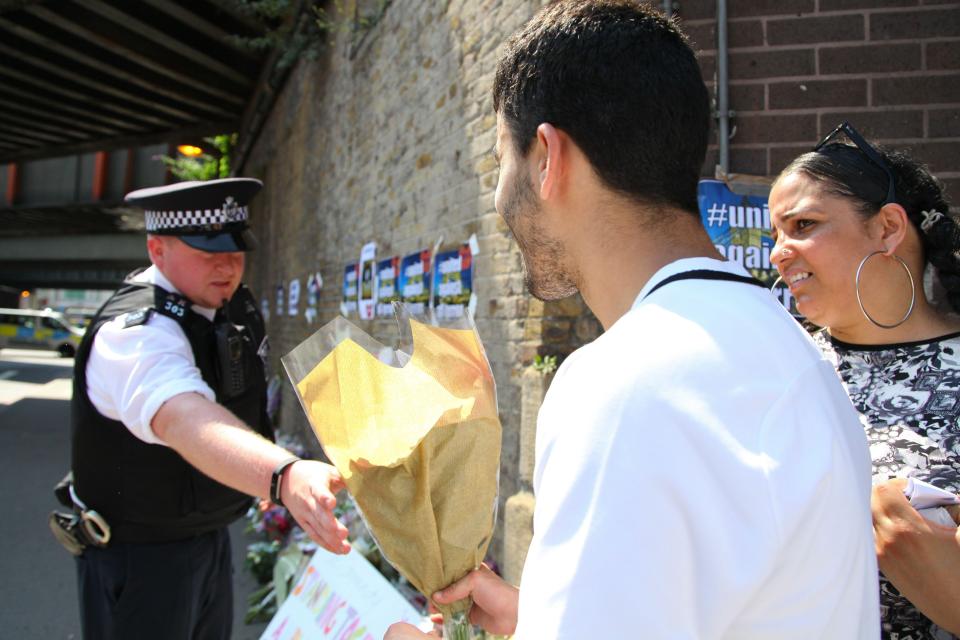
x,y
80,528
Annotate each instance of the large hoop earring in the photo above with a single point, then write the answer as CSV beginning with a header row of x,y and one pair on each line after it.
x,y
913,292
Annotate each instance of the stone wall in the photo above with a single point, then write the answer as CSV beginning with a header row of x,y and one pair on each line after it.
x,y
394,145
391,141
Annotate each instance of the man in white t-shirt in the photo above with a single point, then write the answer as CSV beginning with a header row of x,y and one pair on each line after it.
x,y
700,472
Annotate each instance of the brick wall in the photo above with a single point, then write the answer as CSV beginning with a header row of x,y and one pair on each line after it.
x,y
799,67
393,145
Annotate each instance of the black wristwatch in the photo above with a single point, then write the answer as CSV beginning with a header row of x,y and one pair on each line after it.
x,y
276,481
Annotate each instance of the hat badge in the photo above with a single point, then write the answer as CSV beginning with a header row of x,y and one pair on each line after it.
x,y
231,210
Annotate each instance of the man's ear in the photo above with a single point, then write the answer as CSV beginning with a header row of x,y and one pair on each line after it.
x,y
156,249
894,224
551,157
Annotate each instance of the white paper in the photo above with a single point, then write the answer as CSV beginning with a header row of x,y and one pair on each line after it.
x,y
367,300
923,495
294,297
474,245
929,501
341,597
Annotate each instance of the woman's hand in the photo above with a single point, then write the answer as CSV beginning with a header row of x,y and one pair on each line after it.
x,y
920,558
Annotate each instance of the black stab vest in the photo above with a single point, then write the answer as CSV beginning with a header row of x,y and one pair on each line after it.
x,y
148,492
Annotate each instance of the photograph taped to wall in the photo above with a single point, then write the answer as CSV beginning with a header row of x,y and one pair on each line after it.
x,y
388,290
294,297
350,288
453,282
414,282
367,300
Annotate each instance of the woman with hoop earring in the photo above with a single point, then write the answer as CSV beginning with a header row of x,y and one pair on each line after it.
x,y
855,230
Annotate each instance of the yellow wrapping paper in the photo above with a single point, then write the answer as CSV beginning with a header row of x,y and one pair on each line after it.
x,y
418,447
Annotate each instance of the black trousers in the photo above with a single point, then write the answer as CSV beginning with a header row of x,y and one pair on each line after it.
x,y
169,591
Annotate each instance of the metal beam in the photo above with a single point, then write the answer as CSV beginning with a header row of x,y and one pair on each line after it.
x,y
192,131
12,124
20,138
26,222
101,164
143,53
72,47
99,106
81,76
174,36
77,275
215,28
22,126
116,246
13,182
69,118
57,69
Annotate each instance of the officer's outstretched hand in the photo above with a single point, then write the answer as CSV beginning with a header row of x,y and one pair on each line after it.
x,y
308,492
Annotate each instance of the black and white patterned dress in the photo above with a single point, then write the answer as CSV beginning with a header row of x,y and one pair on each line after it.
x,y
908,397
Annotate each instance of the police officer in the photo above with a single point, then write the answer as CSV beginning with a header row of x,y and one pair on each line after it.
x,y
169,427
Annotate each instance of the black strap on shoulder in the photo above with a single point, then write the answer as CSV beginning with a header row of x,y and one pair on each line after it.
x,y
705,274
172,305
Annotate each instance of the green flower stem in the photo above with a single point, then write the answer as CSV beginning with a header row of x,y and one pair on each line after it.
x,y
457,626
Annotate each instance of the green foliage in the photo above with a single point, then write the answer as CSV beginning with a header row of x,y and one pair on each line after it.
x,y
328,23
293,37
283,32
265,9
545,364
262,605
206,166
261,557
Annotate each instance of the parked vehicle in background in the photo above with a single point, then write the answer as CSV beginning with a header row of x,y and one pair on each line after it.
x,y
79,317
32,329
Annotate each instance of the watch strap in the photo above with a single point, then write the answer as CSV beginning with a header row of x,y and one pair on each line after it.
x,y
276,480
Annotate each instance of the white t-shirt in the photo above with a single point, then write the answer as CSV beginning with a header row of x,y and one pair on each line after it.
x,y
700,473
133,371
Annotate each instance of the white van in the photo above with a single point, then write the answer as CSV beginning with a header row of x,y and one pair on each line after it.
x,y
30,329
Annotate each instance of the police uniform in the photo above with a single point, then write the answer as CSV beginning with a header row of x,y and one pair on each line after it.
x,y
166,571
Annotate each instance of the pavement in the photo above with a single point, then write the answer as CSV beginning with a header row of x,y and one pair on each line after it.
x,y
38,592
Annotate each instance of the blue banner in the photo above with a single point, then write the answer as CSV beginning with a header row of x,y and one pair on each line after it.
x,y
739,226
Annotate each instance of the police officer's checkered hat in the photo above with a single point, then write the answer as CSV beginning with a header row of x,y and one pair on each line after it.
x,y
210,216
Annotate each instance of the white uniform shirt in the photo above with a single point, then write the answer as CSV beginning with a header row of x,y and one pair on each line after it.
x,y
133,371
700,473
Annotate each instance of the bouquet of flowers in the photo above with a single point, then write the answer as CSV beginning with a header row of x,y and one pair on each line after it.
x,y
415,433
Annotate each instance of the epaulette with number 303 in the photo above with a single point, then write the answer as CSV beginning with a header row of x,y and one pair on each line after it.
x,y
172,305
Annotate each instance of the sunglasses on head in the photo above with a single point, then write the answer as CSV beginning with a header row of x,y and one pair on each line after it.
x,y
869,151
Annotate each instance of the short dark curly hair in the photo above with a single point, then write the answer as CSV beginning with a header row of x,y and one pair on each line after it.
x,y
622,81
